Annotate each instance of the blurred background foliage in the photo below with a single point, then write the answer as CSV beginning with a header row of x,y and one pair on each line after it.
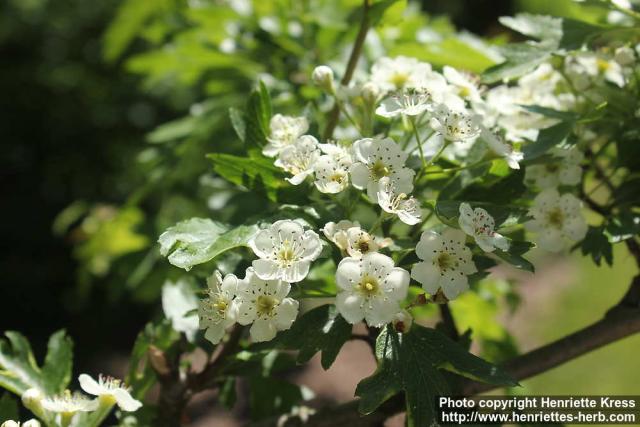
x,y
110,107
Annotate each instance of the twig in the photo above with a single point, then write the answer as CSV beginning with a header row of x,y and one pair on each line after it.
x,y
334,115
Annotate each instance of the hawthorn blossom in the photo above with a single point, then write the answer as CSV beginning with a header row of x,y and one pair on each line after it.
x,y
299,158
322,76
68,404
402,321
446,262
285,250
360,243
370,288
265,304
375,159
31,423
217,311
556,219
503,149
405,207
464,85
331,174
564,169
337,233
478,224
110,390
284,131
398,73
408,102
455,125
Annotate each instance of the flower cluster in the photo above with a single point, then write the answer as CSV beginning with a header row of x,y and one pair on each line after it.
x,y
108,391
411,121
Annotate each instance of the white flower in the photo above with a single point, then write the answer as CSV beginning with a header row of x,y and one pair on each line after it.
x,y
465,85
67,403
376,158
110,390
299,158
370,93
408,102
359,242
556,219
563,170
285,250
446,262
455,125
337,232
370,288
624,56
265,304
478,224
407,208
502,148
398,73
590,66
285,130
332,175
217,311
31,423
322,76
543,78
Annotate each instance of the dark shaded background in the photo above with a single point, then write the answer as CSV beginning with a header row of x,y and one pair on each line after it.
x,y
70,124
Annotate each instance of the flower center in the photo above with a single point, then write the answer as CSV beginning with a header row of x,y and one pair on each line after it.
x,y
368,286
220,305
265,305
337,177
379,170
399,80
286,255
556,218
445,261
603,65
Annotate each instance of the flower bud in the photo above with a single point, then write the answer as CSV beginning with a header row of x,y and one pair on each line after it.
x,y
624,55
31,400
323,77
10,423
370,93
31,423
402,321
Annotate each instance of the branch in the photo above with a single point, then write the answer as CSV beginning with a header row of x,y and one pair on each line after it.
x,y
334,115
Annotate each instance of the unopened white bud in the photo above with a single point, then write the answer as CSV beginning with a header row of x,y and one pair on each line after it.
x,y
10,423
323,77
370,93
31,423
402,321
31,400
624,55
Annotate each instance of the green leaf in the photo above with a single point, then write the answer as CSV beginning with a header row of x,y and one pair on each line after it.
x,y
58,364
412,363
20,372
597,245
320,329
514,255
548,138
550,112
255,173
8,408
197,240
536,26
272,396
623,226
520,58
238,122
257,117
577,33
385,12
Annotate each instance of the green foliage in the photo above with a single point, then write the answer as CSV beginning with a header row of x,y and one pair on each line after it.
x,y
320,329
412,363
548,138
8,408
197,240
20,372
